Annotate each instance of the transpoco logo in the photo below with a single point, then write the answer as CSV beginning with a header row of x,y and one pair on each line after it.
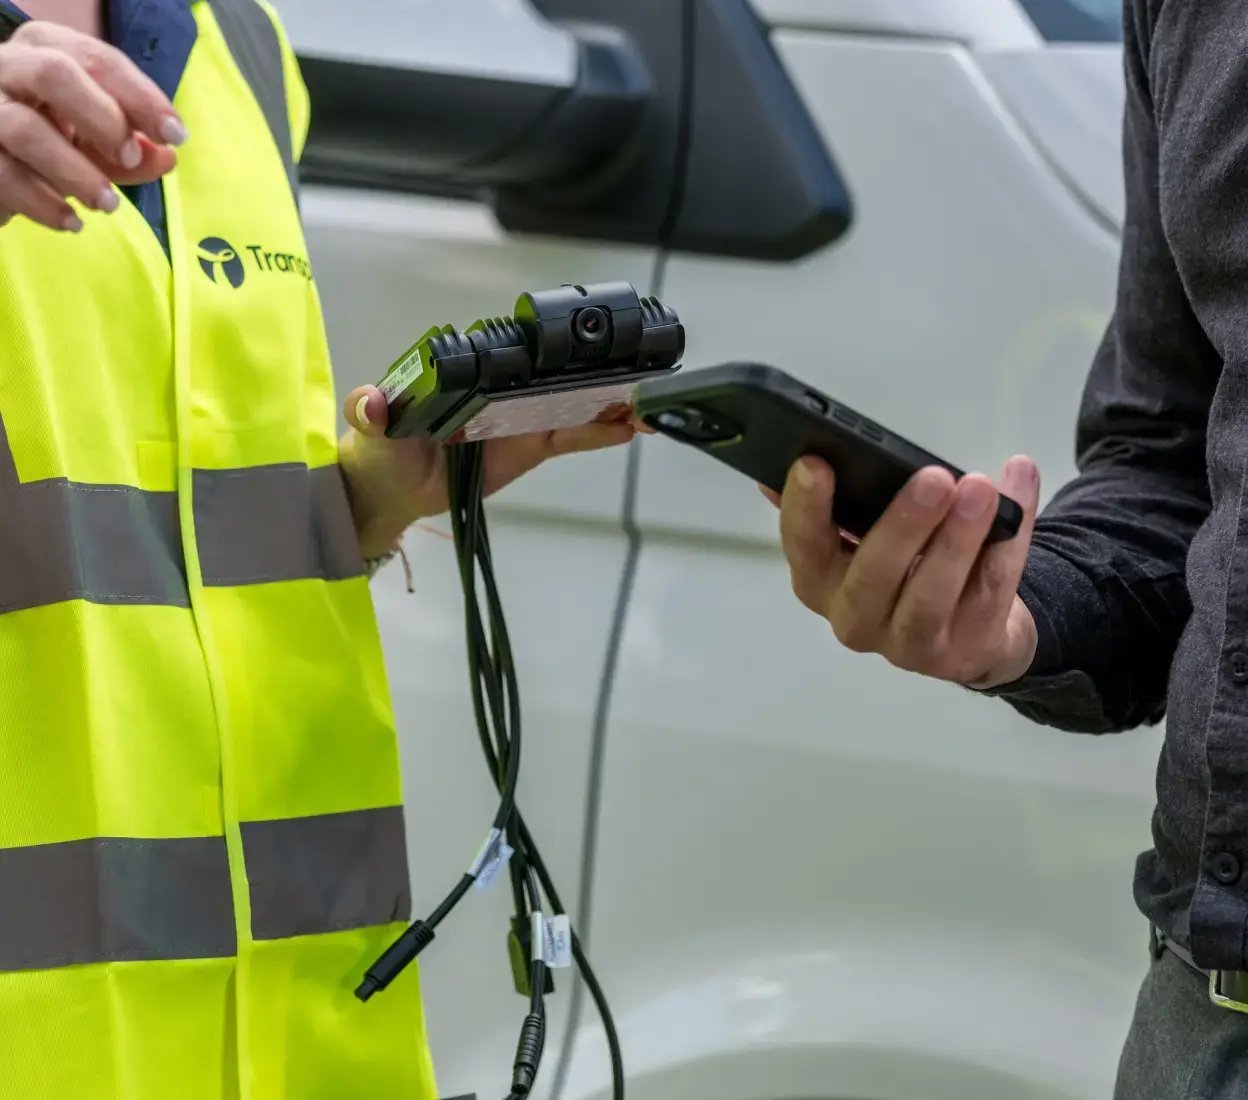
x,y
214,254
222,262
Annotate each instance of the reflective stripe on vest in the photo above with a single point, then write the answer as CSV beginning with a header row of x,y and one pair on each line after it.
x,y
201,839
170,899
64,540
257,52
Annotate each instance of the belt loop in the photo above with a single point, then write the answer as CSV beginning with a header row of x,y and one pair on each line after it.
x,y
1156,946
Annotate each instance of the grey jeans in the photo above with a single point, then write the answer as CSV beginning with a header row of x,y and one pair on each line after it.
x,y
1180,1046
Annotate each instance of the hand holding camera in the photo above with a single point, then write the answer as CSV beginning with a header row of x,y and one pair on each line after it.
x,y
396,482
556,378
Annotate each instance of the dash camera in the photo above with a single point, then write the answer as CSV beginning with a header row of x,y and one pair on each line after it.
x,y
590,325
566,357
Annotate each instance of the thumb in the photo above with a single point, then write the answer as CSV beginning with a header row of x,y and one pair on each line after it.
x,y
365,410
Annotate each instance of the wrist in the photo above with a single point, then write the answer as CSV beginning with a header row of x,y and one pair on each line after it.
x,y
378,528
373,565
379,540
380,511
1019,651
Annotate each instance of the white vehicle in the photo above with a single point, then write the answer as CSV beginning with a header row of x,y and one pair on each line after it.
x,y
799,872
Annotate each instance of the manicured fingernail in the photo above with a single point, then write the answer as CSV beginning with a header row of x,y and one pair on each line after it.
x,y
929,490
130,156
361,410
71,223
805,475
108,201
974,499
172,132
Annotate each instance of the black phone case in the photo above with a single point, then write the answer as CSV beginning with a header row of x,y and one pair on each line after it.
x,y
778,420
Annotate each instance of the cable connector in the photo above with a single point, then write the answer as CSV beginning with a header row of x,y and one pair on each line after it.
x,y
395,960
520,952
528,1054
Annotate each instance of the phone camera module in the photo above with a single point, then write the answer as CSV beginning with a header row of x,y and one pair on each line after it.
x,y
672,420
696,426
590,325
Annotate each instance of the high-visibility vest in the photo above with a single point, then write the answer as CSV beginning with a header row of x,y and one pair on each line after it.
x,y
201,838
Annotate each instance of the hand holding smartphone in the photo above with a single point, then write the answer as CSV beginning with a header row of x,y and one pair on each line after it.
x,y
929,571
760,421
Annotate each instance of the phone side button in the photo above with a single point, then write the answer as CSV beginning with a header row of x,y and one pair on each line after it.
x,y
845,416
872,431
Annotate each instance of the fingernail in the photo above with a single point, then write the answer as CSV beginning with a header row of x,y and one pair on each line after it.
x,y
1021,467
1021,473
108,201
974,500
71,223
930,490
805,476
361,410
130,156
172,132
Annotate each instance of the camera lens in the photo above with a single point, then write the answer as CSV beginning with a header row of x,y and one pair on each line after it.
x,y
590,325
672,420
694,425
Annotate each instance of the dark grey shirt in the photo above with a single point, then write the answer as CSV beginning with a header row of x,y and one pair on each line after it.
x,y
1139,577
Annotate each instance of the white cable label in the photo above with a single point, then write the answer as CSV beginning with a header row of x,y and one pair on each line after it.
x,y
557,943
492,858
537,934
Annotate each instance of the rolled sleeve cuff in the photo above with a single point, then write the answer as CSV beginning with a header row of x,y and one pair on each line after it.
x,y
1056,690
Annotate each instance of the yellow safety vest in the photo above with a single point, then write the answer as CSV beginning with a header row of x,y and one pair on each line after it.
x,y
201,839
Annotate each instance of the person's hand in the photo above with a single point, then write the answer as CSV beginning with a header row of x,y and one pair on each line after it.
x,y
395,482
76,116
921,589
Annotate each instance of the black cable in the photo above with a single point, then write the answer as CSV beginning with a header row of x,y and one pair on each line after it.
x,y
476,543
496,707
582,964
533,855
527,848
465,472
502,744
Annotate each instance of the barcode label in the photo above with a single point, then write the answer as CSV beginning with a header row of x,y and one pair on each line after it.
x,y
557,942
411,367
492,858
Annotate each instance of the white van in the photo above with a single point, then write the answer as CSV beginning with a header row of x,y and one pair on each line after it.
x,y
800,874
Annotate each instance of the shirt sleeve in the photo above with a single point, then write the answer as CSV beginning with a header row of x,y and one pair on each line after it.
x,y
1106,580
11,17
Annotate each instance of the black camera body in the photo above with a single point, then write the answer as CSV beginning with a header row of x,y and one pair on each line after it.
x,y
567,356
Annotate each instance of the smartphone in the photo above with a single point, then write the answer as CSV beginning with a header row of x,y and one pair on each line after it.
x,y
760,420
